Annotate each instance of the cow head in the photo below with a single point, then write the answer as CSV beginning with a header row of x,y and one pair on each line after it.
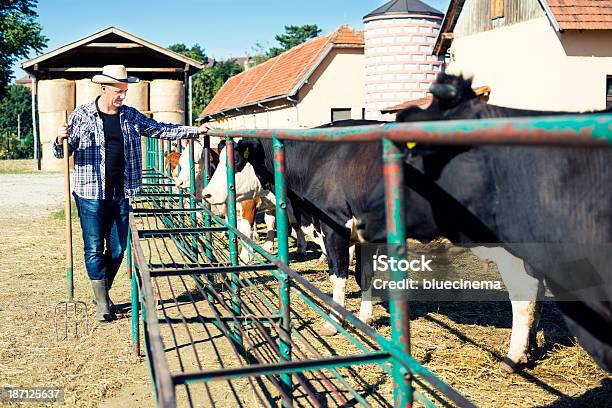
x,y
449,92
247,184
184,178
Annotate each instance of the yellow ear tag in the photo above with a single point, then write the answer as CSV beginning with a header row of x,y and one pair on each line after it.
x,y
246,153
411,145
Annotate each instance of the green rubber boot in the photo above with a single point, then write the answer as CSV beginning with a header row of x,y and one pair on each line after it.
x,y
109,283
103,312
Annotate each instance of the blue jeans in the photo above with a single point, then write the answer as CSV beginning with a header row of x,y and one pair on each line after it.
x,y
105,226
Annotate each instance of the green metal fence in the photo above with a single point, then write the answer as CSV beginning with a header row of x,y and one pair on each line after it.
x,y
169,241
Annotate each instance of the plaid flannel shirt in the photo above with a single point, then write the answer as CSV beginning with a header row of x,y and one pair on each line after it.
x,y
86,140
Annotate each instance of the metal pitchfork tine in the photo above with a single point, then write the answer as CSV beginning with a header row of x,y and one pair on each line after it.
x,y
70,303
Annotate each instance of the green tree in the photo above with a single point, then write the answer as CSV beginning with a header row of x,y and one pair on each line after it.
x,y
294,35
15,112
195,52
208,82
19,34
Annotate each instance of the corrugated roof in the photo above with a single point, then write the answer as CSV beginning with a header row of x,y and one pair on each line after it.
x,y
280,76
403,7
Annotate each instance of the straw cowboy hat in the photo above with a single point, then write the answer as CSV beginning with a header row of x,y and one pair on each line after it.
x,y
113,74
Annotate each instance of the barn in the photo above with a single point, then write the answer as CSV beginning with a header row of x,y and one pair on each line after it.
x,y
61,81
534,54
316,82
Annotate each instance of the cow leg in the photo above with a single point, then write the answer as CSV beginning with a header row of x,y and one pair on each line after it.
x,y
363,276
365,310
300,242
352,225
337,251
318,238
522,323
297,231
338,296
245,226
270,221
351,254
523,290
533,342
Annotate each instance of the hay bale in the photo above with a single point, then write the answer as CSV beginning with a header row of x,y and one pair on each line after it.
x,y
167,96
177,118
86,91
49,162
138,96
56,95
49,123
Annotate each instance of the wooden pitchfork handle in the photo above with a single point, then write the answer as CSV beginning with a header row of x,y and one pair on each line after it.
x,y
68,216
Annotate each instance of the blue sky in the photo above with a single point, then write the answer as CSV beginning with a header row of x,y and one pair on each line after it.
x,y
223,28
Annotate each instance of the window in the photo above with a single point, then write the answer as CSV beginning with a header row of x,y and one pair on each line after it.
x,y
340,114
609,92
497,9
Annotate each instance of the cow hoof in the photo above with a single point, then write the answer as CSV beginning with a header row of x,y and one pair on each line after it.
x,y
328,330
509,366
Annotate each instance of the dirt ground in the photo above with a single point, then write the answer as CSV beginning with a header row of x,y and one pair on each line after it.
x,y
30,195
461,342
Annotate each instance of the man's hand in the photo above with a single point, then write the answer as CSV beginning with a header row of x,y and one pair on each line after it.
x,y
62,133
204,128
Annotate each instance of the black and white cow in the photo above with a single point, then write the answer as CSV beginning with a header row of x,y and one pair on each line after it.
x,y
332,183
552,198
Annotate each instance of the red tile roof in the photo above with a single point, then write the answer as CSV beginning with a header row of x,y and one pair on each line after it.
x,y
582,14
279,76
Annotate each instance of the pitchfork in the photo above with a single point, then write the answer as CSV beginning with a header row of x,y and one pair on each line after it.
x,y
69,306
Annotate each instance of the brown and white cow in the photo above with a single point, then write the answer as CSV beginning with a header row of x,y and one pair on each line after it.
x,y
246,207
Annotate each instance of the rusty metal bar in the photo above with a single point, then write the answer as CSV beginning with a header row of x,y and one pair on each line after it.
x,y
588,130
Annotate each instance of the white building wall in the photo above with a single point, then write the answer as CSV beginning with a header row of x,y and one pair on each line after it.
x,y
529,65
338,82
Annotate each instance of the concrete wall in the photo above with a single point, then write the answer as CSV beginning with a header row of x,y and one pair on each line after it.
x,y
529,65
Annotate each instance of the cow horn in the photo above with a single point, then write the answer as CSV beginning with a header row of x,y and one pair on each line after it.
x,y
443,91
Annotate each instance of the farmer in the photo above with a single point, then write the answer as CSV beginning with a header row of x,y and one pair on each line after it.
x,y
105,138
